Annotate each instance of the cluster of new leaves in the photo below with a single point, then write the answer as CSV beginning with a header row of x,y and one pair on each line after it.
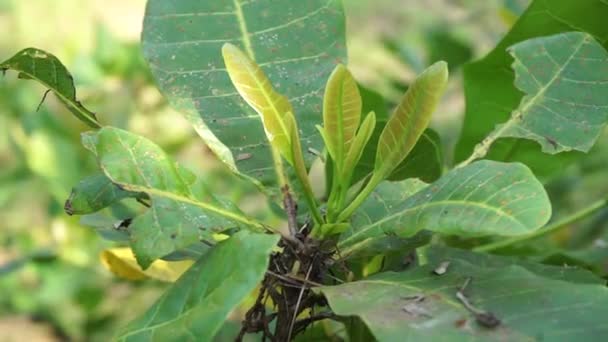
x,y
374,203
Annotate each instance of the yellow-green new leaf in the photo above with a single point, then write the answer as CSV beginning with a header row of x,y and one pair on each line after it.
x,y
341,113
298,164
255,88
410,119
356,149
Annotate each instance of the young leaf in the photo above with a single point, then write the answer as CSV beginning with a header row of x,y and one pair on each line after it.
x,y
298,50
410,119
483,198
357,147
300,167
255,88
341,113
403,129
45,68
182,212
93,194
197,305
425,161
418,306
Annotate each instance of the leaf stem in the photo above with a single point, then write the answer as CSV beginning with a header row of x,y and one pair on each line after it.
x,y
566,221
361,197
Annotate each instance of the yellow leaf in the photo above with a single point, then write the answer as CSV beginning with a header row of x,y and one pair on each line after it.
x,y
122,263
255,88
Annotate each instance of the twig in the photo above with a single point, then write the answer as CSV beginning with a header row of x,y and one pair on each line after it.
x,y
295,312
43,98
291,210
484,318
303,323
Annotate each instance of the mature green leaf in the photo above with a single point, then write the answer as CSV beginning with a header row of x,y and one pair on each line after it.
x,y
341,114
572,274
410,119
93,194
565,78
183,210
45,68
491,96
417,305
255,88
297,44
197,305
483,198
378,205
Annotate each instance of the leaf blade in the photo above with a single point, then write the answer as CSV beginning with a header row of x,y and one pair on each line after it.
x,y
182,50
483,198
410,119
45,68
341,113
413,306
182,210
255,88
201,300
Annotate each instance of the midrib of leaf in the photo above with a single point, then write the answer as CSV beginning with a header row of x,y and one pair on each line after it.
x,y
166,194
484,206
482,149
243,28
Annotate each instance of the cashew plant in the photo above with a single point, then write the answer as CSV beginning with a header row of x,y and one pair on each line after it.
x,y
358,247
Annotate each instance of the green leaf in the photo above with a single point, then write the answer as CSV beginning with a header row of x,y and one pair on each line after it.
x,y
35,64
491,96
565,78
255,88
93,194
378,205
341,114
183,210
197,305
296,43
417,305
410,119
568,273
483,198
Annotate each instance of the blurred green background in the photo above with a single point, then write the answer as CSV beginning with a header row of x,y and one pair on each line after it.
x,y
52,284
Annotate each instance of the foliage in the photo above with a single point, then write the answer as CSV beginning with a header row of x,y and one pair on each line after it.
x,y
372,245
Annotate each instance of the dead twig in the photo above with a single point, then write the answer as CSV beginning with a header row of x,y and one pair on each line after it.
x,y
484,318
